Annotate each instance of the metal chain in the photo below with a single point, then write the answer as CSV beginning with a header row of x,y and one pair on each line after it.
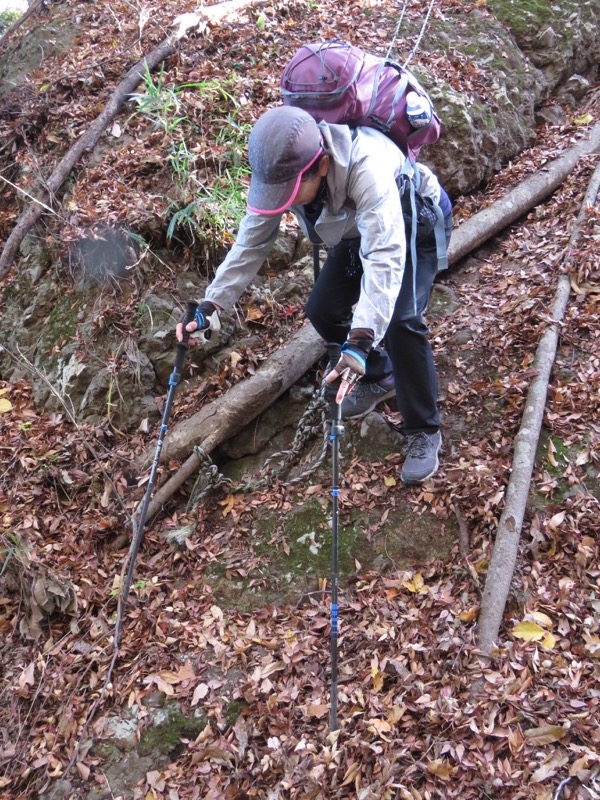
x,y
313,419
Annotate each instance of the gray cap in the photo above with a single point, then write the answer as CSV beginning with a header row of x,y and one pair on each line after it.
x,y
284,143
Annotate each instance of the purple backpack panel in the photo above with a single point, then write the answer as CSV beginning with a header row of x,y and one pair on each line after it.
x,y
339,83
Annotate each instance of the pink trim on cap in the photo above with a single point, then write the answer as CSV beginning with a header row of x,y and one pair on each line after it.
x,y
292,195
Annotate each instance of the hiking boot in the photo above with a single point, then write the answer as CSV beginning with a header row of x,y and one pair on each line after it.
x,y
365,396
421,457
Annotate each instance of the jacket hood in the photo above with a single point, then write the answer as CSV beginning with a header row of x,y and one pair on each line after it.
x,y
337,140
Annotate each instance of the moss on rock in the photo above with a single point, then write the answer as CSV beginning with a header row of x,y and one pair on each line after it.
x,y
167,735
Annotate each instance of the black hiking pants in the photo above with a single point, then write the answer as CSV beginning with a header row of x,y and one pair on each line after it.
x,y
406,352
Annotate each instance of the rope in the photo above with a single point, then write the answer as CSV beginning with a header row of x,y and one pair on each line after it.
x,y
312,421
419,37
421,33
398,26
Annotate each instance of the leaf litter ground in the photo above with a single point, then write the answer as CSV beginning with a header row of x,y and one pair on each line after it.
x,y
422,716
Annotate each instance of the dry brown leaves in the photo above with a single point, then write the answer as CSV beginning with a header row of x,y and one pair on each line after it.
x,y
421,715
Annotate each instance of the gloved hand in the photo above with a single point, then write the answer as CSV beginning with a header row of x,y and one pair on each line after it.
x,y
206,321
353,359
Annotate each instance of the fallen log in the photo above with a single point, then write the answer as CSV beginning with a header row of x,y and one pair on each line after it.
x,y
487,223
211,427
504,556
221,419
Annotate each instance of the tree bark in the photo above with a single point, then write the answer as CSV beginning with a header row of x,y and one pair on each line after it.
x,y
487,223
504,556
221,419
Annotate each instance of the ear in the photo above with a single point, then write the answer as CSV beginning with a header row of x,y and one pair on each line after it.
x,y
324,165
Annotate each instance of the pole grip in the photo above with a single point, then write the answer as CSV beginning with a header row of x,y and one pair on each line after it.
x,y
182,347
190,313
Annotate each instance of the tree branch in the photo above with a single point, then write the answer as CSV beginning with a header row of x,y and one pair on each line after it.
x,y
487,223
85,144
22,19
504,556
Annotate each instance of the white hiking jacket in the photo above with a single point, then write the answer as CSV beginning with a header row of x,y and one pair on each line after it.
x,y
362,201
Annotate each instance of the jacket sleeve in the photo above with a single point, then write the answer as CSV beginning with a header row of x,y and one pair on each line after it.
x,y
380,223
255,238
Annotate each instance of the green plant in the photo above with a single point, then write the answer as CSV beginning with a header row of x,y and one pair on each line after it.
x,y
158,102
12,547
8,18
47,462
196,212
144,307
233,137
213,211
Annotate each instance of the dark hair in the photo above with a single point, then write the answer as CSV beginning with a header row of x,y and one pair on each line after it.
x,y
314,168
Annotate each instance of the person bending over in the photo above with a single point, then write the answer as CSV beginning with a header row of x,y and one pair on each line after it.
x,y
342,184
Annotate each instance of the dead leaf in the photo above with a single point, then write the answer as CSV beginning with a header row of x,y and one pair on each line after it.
x,y
549,641
105,499
551,452
353,770
416,585
227,504
83,770
546,734
543,619
439,768
254,314
200,693
27,677
557,520
549,768
528,631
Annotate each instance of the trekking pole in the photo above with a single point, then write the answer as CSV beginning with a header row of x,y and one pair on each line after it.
x,y
174,379
337,430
